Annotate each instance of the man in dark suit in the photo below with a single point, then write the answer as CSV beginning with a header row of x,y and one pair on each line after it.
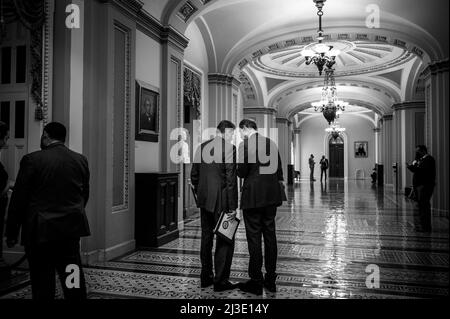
x,y
48,202
424,180
213,176
262,192
323,168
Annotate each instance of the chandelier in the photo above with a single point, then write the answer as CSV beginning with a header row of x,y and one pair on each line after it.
x,y
329,103
335,129
320,54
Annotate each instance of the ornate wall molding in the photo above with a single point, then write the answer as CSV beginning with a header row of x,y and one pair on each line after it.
x,y
128,7
149,25
47,61
127,118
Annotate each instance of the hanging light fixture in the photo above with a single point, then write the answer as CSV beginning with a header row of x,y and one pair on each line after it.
x,y
335,130
329,103
320,54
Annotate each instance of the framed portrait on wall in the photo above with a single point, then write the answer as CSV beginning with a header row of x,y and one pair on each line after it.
x,y
147,112
361,149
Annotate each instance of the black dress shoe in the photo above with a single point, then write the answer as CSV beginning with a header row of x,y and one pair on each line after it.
x,y
206,282
252,286
225,286
270,285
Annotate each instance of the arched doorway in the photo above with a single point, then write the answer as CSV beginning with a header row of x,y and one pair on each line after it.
x,y
336,151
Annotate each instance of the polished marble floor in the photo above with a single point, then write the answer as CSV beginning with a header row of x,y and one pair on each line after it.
x,y
327,235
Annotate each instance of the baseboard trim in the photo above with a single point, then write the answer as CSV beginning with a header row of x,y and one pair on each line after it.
x,y
109,253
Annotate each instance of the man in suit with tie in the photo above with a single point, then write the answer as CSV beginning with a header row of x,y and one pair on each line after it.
x,y
213,176
424,180
48,203
259,165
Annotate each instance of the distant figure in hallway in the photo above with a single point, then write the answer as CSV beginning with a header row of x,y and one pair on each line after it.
x,y
215,183
323,168
312,163
48,203
424,180
262,193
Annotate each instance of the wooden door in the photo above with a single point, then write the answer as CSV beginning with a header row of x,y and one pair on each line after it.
x,y
14,94
336,158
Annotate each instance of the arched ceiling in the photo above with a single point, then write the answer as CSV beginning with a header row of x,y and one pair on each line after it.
x,y
260,42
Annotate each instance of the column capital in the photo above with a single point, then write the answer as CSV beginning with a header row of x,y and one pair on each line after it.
x,y
297,131
260,110
377,130
409,105
282,120
387,117
437,67
223,79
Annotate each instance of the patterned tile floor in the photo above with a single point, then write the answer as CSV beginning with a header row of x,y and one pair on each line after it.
x,y
327,236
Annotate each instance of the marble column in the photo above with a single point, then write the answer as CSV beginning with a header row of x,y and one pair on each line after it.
x,y
297,150
437,129
410,129
284,144
378,144
264,118
387,133
223,97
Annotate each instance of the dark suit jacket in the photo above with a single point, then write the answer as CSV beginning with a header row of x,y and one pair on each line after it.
x,y
49,197
215,181
424,172
260,188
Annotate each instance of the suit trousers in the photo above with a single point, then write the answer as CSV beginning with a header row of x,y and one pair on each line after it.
x,y
311,175
424,194
323,172
223,255
47,258
261,222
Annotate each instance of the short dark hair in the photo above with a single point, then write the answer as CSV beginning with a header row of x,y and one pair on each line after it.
x,y
248,124
422,148
4,129
223,125
56,131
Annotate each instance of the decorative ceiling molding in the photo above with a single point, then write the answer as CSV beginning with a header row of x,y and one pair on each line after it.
x,y
249,92
362,38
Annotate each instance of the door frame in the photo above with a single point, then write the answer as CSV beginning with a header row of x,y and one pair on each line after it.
x,y
326,148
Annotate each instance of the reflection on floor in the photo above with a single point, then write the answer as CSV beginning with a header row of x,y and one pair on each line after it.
x,y
327,236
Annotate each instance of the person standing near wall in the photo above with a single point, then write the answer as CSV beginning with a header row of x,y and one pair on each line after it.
x,y
424,180
312,163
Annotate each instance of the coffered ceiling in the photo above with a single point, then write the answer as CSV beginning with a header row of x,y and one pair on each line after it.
x,y
260,42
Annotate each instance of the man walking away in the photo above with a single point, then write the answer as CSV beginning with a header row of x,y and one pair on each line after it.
x,y
424,180
323,168
48,202
261,195
213,176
